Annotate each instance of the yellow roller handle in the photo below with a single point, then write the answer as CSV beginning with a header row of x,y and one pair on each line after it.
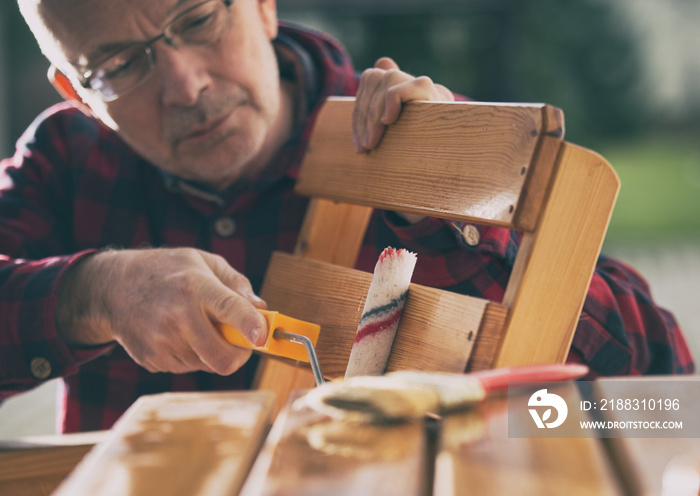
x,y
274,346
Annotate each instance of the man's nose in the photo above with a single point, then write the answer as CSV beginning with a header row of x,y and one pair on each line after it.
x,y
183,73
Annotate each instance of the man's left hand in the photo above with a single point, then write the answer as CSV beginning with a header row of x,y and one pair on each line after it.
x,y
383,89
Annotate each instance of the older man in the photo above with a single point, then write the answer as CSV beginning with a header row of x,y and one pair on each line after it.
x,y
185,129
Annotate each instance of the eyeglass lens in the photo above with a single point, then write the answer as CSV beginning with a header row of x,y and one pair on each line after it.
x,y
200,25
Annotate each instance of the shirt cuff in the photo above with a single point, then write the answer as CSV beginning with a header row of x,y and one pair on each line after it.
x,y
69,357
32,350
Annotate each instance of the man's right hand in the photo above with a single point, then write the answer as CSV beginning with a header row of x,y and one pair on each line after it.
x,y
161,305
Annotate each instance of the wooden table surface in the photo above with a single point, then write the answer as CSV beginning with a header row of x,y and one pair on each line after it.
x,y
205,444
478,457
666,466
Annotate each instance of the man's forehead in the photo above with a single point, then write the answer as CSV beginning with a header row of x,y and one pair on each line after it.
x,y
87,29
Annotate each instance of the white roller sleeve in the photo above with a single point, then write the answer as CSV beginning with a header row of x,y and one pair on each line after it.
x,y
380,317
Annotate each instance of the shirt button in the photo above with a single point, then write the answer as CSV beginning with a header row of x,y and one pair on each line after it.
x,y
225,226
40,367
470,234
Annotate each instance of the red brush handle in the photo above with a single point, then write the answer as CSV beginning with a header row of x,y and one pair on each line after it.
x,y
497,379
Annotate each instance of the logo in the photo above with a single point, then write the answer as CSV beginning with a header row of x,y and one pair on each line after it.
x,y
553,401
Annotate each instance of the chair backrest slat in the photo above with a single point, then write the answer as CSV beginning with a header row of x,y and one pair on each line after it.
x,y
441,324
461,161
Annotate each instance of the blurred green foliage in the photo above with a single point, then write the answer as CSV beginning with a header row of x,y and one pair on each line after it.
x,y
575,54
660,195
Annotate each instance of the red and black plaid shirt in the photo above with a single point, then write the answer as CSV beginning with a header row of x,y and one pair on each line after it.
x,y
74,186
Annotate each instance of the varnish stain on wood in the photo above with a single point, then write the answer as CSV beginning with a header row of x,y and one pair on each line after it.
x,y
158,447
361,441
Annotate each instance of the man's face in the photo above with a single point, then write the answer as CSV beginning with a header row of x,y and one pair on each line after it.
x,y
205,112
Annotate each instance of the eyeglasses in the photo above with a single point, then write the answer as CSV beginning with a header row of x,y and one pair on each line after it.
x,y
121,72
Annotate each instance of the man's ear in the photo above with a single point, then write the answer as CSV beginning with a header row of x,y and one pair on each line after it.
x,y
268,15
65,88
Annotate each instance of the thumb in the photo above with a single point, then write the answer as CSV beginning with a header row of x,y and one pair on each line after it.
x,y
230,308
232,279
386,63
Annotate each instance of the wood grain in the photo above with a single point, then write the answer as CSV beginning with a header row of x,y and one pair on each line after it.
x,y
437,331
539,175
310,453
333,232
177,444
437,328
478,457
459,160
488,338
554,265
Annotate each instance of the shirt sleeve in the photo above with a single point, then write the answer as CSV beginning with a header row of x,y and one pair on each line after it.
x,y
30,350
621,330
35,254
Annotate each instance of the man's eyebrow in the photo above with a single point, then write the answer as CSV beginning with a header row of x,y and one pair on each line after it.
x,y
172,10
108,49
104,51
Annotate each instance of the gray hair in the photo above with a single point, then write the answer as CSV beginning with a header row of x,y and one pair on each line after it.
x,y
33,13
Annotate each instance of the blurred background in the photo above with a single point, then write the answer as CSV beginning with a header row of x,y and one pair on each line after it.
x,y
625,72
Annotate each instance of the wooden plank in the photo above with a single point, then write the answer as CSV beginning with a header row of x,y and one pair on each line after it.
x,y
465,160
478,457
311,453
538,181
554,266
649,464
437,329
333,232
488,338
177,443
35,466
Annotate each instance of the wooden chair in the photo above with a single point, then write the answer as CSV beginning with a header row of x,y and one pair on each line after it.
x,y
492,164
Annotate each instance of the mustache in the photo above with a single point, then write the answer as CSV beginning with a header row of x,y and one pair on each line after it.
x,y
179,121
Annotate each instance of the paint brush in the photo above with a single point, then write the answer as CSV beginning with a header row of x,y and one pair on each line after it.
x,y
406,395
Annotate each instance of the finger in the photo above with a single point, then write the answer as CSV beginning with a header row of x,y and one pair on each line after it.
x,y
376,107
232,279
386,63
220,356
390,112
444,93
174,365
166,352
420,88
369,100
202,347
369,83
223,305
186,359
